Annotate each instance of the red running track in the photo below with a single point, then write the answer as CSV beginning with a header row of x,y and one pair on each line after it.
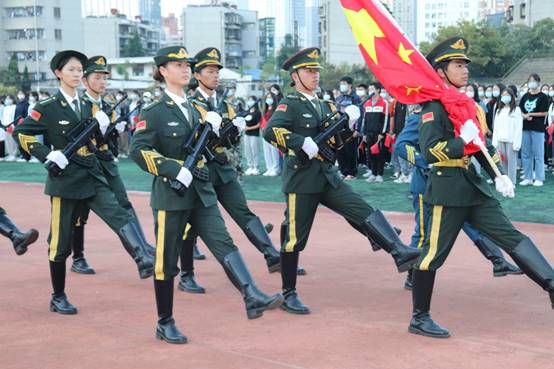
x,y
359,319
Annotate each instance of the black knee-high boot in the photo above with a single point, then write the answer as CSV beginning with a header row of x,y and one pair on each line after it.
x,y
423,282
80,264
19,239
187,281
501,267
59,302
166,329
289,266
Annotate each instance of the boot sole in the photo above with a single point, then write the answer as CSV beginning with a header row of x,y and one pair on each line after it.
x,y
422,333
258,312
407,265
274,268
198,292
162,338
21,249
297,312
55,310
503,274
146,273
200,257
81,271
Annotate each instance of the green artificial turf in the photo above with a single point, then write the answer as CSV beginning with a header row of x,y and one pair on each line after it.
x,y
531,204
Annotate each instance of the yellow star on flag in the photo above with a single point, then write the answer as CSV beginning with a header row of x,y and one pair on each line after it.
x,y
405,53
365,30
410,90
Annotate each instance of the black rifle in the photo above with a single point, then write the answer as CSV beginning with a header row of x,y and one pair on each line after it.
x,y
326,151
193,157
120,119
79,136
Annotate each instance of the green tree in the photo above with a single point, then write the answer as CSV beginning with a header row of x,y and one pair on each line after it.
x,y
25,80
331,74
286,50
134,47
10,76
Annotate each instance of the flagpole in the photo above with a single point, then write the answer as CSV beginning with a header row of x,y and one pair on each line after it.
x,y
489,159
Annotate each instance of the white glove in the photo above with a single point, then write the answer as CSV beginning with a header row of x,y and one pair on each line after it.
x,y
505,186
353,113
184,176
57,157
103,121
215,121
4,123
240,123
469,131
310,147
120,126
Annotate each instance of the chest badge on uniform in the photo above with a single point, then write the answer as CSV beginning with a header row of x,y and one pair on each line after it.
x,y
173,124
307,115
63,122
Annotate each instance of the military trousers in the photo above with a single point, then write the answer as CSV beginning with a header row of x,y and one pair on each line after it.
x,y
446,222
66,212
170,227
231,197
118,188
302,207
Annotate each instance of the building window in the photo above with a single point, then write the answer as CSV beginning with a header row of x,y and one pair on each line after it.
x,y
25,34
58,34
57,12
522,11
22,11
27,55
138,69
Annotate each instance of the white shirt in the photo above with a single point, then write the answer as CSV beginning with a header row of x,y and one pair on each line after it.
x,y
179,100
508,127
70,99
207,97
97,102
311,98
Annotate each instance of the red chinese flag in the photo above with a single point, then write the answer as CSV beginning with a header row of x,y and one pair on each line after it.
x,y
400,67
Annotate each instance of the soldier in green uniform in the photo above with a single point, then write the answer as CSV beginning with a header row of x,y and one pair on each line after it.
x,y
296,120
223,176
95,80
158,147
20,240
82,181
458,194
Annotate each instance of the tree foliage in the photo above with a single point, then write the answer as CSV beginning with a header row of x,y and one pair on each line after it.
x,y
494,51
134,47
287,50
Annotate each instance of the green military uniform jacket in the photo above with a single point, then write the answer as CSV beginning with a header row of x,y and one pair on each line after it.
x,y
294,119
220,174
105,158
158,148
452,173
54,118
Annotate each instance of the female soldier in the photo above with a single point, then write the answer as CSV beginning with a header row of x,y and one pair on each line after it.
x,y
81,182
157,147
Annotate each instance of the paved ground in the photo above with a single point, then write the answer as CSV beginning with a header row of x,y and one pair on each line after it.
x,y
359,320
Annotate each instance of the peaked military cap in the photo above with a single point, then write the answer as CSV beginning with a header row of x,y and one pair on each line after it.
x,y
172,53
454,48
62,55
96,64
207,56
305,58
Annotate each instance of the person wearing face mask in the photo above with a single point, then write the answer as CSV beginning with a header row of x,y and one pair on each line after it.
x,y
492,105
347,156
534,107
275,89
82,182
252,136
8,116
146,98
271,153
508,131
375,123
134,108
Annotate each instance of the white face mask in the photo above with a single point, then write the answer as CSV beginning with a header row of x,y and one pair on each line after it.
x,y
343,88
157,93
470,94
32,99
147,99
231,92
118,97
274,91
269,101
533,85
134,97
551,93
8,102
21,96
384,94
251,103
328,97
495,93
488,94
506,99
360,92
481,93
